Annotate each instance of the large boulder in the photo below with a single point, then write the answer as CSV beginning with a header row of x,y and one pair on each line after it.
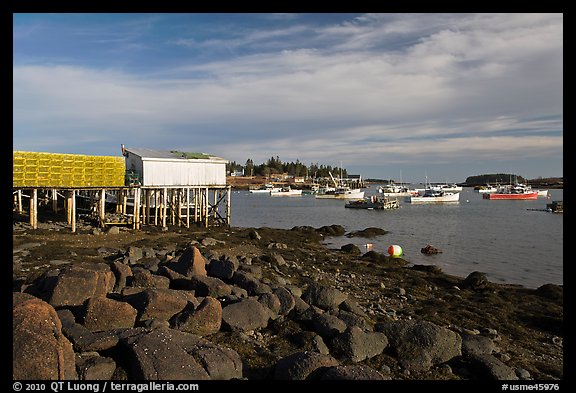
x,y
223,268
156,303
419,345
163,354
101,313
123,272
143,278
352,372
190,263
83,339
245,315
204,286
250,283
80,282
303,365
40,351
356,345
322,296
204,320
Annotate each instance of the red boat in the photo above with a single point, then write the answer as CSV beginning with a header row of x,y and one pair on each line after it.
x,y
519,191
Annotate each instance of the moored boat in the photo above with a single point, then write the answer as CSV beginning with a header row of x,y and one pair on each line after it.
x,y
487,189
266,188
286,191
436,196
341,193
374,203
515,192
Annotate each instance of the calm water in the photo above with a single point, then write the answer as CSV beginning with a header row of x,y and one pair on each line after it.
x,y
500,238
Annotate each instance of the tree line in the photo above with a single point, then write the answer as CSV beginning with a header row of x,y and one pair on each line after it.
x,y
274,166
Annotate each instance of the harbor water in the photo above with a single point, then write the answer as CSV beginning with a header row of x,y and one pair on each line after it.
x,y
506,239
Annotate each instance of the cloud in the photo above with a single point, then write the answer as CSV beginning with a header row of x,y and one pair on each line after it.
x,y
377,89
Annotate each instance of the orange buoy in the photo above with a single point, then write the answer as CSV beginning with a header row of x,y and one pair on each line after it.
x,y
395,251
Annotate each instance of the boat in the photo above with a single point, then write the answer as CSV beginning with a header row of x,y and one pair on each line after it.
x,y
514,192
487,189
286,191
266,188
395,190
431,195
375,202
543,193
341,193
447,187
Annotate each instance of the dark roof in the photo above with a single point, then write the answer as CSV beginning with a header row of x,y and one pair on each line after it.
x,y
170,154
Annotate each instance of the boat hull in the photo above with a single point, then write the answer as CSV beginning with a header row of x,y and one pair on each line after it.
x,y
352,195
527,196
287,193
453,198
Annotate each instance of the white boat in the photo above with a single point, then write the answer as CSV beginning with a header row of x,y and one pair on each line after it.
x,y
395,190
487,189
544,193
266,188
436,196
447,187
286,191
341,193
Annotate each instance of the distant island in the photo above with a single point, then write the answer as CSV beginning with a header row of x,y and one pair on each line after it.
x,y
506,178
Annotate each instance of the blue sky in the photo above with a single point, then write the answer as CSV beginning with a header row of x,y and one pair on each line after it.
x,y
439,95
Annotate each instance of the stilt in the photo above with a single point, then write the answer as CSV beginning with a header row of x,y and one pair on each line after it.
x,y
206,207
34,209
69,207
155,207
124,201
73,211
54,201
102,209
228,206
20,210
148,202
187,208
164,203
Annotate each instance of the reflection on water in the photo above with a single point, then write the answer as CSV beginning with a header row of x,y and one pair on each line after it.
x,y
501,238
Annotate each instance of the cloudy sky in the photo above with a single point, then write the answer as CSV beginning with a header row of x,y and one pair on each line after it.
x,y
439,95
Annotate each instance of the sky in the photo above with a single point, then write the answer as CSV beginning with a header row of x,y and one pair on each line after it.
x,y
392,96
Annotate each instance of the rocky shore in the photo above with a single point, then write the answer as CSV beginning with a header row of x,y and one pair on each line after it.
x,y
264,304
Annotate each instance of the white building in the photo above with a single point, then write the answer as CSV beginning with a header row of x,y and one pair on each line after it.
x,y
171,168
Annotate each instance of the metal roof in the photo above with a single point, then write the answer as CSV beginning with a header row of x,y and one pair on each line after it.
x,y
171,154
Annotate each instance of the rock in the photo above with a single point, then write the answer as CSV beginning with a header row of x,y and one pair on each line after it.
x,y
302,366
95,367
331,230
254,235
83,339
327,325
160,303
223,268
79,282
368,232
254,270
190,263
40,351
204,320
122,272
221,363
144,279
351,319
274,258
551,291
286,298
475,344
208,241
427,268
475,281
245,315
204,286
134,254
492,368
252,285
113,230
430,250
352,372
356,345
149,353
351,249
271,302
324,297
101,313
420,345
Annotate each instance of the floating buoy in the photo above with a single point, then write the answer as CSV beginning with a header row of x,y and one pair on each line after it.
x,y
395,251
368,246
